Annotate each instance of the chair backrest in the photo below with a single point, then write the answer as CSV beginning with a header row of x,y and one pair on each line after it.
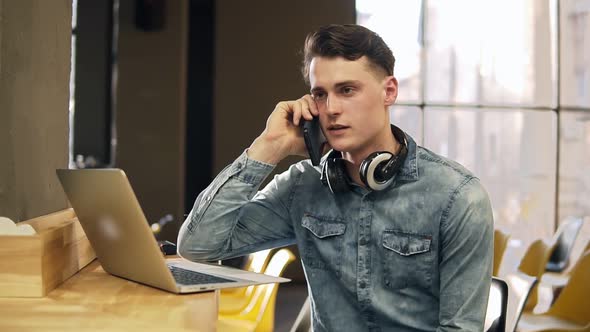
x,y
303,320
533,263
573,303
256,262
495,320
520,286
259,262
261,308
500,244
563,242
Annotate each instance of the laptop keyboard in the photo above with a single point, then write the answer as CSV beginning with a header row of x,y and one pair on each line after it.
x,y
189,277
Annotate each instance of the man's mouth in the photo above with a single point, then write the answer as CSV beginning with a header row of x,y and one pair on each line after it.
x,y
337,127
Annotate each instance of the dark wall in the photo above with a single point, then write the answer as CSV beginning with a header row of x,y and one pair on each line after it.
x,y
243,59
257,63
151,109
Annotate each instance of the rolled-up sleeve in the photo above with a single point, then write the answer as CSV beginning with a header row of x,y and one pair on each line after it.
x,y
466,258
231,218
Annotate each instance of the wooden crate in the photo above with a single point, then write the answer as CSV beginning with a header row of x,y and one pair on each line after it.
x,y
32,266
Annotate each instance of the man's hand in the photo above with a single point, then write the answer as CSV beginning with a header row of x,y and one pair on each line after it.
x,y
283,136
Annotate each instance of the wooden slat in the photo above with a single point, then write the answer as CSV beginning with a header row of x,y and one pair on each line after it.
x,y
51,220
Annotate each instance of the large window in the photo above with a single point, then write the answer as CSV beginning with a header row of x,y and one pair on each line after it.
x,y
502,87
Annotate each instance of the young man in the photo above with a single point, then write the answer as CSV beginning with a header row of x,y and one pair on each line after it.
x,y
404,245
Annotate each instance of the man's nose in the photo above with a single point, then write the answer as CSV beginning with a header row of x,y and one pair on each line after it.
x,y
333,106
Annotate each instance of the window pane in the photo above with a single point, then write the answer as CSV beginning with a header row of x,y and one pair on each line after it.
x,y
74,14
491,52
72,103
513,152
398,23
574,171
575,53
409,119
71,107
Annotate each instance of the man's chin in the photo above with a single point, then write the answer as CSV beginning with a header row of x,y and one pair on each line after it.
x,y
341,146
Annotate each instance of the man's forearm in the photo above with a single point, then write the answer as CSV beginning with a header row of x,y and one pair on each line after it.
x,y
206,232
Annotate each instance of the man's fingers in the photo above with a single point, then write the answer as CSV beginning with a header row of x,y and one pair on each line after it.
x,y
306,112
313,109
303,107
297,110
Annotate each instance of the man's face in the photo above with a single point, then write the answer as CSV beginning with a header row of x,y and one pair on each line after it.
x,y
353,101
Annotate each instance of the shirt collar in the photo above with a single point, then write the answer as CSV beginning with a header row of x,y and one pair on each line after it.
x,y
409,171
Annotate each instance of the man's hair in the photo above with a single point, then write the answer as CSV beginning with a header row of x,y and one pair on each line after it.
x,y
351,42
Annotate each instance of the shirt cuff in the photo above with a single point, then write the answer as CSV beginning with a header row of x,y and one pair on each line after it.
x,y
251,171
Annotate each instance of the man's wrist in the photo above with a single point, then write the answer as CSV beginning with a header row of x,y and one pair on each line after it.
x,y
265,151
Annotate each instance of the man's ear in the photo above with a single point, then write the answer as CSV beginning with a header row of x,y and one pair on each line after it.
x,y
390,85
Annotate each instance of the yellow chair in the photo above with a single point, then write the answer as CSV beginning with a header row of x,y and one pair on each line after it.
x,y
562,243
495,320
533,263
500,244
234,300
558,280
519,290
259,314
571,311
303,320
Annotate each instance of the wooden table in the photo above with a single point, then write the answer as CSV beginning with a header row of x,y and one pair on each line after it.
x,y
93,300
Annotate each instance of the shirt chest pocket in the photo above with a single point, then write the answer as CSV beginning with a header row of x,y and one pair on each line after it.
x,y
323,241
407,259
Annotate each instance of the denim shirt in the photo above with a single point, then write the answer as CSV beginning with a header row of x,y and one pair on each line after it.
x,y
416,256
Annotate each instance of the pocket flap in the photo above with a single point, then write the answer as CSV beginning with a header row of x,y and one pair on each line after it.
x,y
322,228
406,244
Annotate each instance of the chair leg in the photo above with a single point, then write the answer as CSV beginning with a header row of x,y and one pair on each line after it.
x,y
303,320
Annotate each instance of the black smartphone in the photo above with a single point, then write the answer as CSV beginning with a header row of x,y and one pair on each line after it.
x,y
314,139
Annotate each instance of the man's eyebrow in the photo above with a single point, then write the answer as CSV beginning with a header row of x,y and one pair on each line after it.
x,y
345,83
337,85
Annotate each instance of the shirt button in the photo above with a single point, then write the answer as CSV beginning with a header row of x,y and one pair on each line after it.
x,y
362,284
363,241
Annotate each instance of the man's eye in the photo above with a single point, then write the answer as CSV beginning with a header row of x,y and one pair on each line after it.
x,y
319,95
347,90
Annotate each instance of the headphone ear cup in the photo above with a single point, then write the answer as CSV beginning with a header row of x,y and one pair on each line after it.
x,y
369,170
336,177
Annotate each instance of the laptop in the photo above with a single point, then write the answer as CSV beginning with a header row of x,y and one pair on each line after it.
x,y
125,246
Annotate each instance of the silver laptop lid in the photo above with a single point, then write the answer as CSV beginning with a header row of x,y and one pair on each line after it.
x,y
115,225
